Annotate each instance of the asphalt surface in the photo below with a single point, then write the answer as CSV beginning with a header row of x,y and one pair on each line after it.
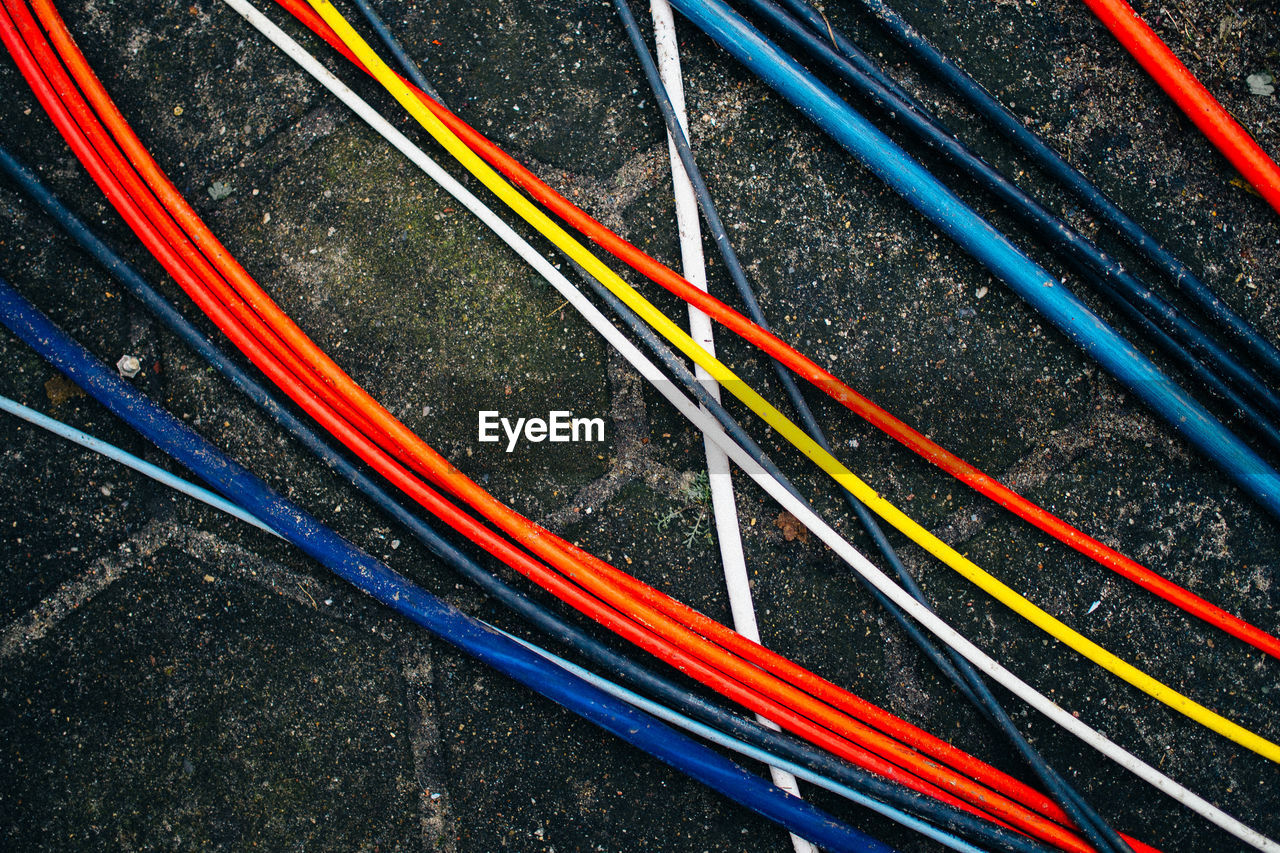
x,y
171,680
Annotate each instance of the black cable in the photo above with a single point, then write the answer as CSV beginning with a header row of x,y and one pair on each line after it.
x,y
1062,238
1094,828
668,691
986,104
392,44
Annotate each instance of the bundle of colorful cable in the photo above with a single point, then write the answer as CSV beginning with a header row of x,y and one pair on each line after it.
x,y
749,674
807,369
610,280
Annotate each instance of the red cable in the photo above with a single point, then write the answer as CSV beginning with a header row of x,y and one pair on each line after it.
x,y
804,367
568,592
142,224
267,302
1191,96
249,289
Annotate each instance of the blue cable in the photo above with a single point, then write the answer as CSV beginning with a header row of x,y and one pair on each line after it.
x,y
126,458
779,744
1108,275
632,698
955,219
398,593
986,104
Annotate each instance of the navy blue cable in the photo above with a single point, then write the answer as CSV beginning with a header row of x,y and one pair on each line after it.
x,y
943,816
958,669
955,219
396,49
396,592
1062,238
987,105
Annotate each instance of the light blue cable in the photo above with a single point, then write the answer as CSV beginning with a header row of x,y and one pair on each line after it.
x,y
719,738
124,457
636,700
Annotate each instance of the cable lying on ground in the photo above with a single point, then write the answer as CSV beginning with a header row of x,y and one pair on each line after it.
x,y
396,592
358,442
829,535
817,375
668,691
127,459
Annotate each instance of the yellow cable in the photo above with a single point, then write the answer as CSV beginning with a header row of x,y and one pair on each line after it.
x,y
736,386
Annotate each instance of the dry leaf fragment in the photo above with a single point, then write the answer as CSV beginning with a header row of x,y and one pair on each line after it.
x,y
60,389
791,527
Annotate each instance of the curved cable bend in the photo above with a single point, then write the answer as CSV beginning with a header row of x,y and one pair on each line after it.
x,y
848,553
353,439
736,386
807,516
817,375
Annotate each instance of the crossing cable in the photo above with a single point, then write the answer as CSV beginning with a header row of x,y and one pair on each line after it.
x,y
946,817
776,419
666,690
1053,163
821,378
630,588
724,505
1099,833
825,532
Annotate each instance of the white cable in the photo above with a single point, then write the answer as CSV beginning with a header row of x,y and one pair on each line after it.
x,y
699,419
126,458
723,504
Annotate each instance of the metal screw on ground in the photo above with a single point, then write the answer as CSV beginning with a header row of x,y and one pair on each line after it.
x,y
128,366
